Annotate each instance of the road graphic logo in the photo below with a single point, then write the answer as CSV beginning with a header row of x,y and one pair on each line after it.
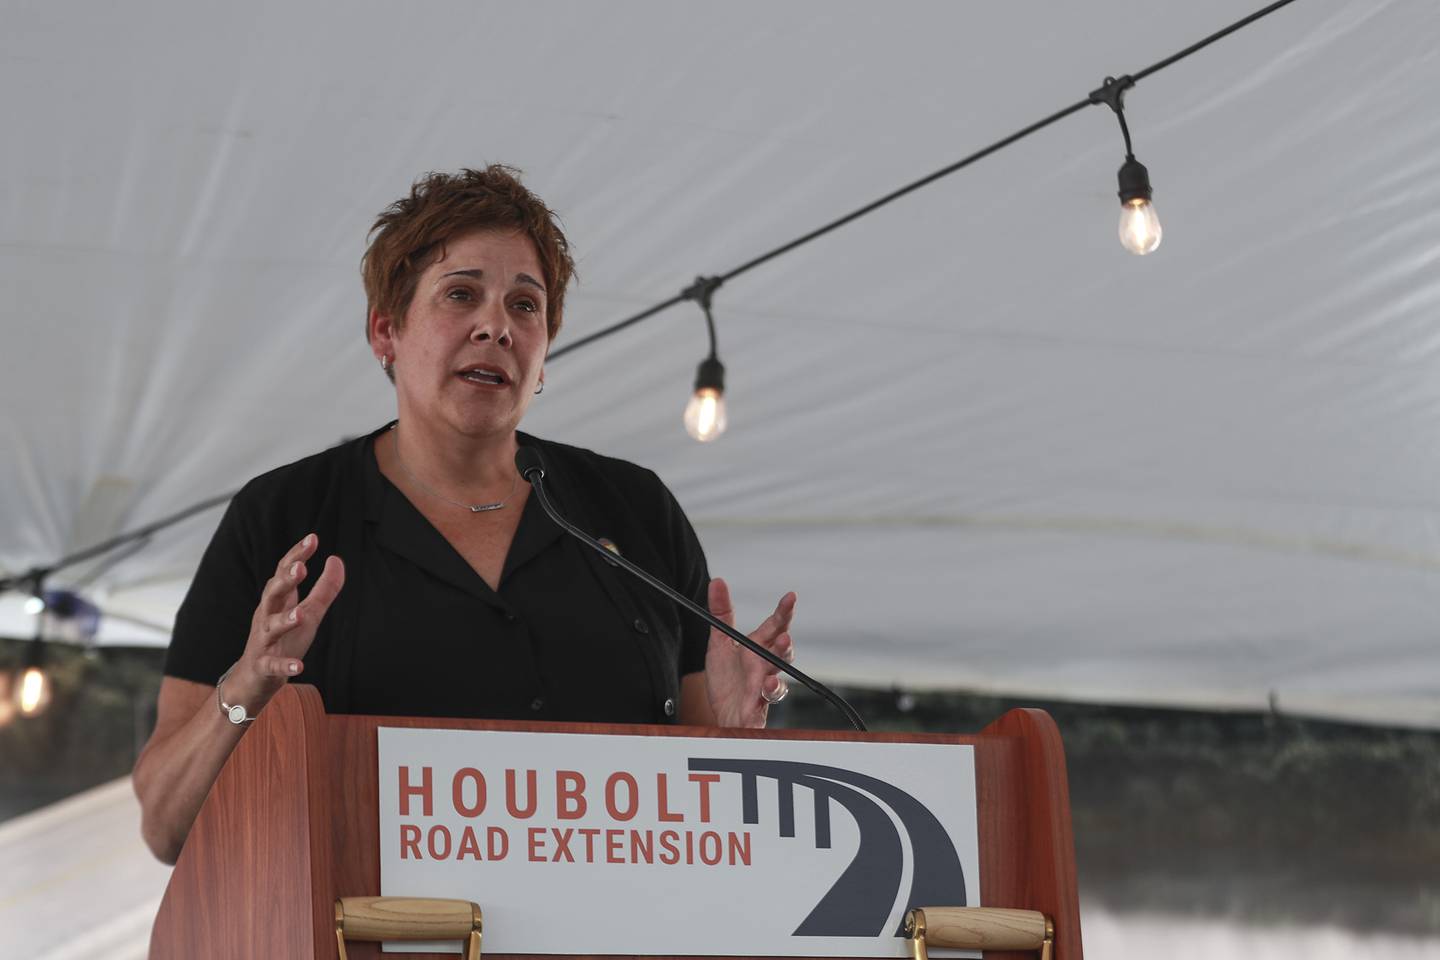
x,y
863,898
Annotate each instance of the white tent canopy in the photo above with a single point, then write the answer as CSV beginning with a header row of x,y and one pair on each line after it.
x,y
987,447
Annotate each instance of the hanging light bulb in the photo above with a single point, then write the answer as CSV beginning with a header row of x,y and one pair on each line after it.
x,y
705,417
1139,224
32,695
33,686
1139,227
35,603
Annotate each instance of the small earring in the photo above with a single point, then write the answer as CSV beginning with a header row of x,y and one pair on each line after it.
x,y
540,388
385,363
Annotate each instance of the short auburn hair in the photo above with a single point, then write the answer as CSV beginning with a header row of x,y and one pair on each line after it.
x,y
412,232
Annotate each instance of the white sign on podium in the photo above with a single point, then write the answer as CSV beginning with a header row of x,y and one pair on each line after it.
x,y
600,844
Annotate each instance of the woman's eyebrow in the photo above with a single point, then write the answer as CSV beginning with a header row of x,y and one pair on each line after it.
x,y
478,274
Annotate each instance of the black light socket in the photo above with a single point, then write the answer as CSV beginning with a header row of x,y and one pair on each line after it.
x,y
1134,181
710,373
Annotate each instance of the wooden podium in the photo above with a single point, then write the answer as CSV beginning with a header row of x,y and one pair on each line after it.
x,y
291,824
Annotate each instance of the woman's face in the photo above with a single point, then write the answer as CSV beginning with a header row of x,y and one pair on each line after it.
x,y
472,348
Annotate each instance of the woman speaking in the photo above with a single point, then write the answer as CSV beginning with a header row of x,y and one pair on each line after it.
x,y
409,572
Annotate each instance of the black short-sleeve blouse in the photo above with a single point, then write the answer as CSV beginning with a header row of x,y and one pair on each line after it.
x,y
416,632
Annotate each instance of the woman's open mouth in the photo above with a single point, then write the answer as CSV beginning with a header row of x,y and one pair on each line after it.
x,y
484,375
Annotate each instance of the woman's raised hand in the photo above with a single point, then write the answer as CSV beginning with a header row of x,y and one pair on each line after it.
x,y
283,626
191,740
740,685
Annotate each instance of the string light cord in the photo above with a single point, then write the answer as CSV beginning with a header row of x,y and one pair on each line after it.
x,y
1125,131
702,291
37,575
1112,94
601,334
1217,35
116,556
1036,127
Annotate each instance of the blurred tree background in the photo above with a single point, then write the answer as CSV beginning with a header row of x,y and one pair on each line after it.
x,y
1265,818
1261,817
101,713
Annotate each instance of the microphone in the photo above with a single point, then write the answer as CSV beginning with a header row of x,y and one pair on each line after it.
x,y
532,467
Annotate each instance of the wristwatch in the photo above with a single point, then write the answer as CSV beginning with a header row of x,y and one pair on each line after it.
x,y
235,713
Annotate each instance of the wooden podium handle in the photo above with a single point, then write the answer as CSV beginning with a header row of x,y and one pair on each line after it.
x,y
979,928
408,918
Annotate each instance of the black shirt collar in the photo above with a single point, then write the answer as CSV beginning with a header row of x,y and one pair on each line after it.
x,y
399,526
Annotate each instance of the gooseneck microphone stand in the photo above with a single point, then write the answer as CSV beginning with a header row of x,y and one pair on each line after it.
x,y
532,468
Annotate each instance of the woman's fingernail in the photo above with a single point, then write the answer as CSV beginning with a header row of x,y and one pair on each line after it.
x,y
294,569
292,667
295,612
309,539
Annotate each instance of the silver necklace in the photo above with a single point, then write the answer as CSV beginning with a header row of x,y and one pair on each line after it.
x,y
472,507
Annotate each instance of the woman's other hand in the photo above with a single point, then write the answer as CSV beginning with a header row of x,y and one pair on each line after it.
x,y
283,627
740,685
192,738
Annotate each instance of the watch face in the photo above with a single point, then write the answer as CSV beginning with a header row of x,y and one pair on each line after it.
x,y
237,714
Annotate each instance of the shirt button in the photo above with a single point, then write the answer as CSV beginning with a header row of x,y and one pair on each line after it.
x,y
642,626
537,704
510,617
670,707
